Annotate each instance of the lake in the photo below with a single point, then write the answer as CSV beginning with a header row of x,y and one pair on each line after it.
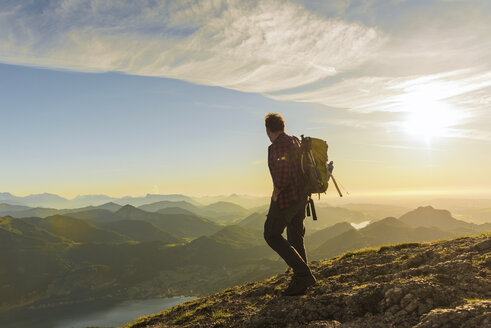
x,y
360,225
93,314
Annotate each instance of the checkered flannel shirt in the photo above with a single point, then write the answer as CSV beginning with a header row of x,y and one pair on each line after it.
x,y
285,171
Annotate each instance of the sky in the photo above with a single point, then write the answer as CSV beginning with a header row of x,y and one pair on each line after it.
x,y
136,97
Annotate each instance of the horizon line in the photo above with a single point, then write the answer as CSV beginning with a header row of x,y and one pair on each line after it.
x,y
471,193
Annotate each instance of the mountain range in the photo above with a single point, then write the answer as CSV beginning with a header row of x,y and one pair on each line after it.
x,y
63,259
119,252
222,212
471,210
55,201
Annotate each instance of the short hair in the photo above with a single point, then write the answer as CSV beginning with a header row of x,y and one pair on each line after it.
x,y
274,122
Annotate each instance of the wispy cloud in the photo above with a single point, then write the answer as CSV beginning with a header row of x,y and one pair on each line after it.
x,y
287,50
253,46
350,93
393,94
470,134
351,122
448,100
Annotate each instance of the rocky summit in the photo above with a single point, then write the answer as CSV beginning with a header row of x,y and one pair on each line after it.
x,y
440,284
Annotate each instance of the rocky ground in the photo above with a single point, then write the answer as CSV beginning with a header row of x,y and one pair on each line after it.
x,y
441,284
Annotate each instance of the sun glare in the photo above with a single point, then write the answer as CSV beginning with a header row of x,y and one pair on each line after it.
x,y
429,118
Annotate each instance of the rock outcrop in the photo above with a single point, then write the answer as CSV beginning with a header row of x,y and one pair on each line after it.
x,y
441,284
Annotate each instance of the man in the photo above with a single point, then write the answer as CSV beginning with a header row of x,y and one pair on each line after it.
x,y
287,208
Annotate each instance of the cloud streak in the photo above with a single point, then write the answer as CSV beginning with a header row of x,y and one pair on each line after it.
x,y
383,93
281,49
259,46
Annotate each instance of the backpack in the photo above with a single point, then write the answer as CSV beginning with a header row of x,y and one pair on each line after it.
x,y
316,169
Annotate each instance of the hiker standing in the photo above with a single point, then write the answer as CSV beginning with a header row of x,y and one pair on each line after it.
x,y
287,207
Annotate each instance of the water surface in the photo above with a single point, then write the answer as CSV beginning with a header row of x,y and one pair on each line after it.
x,y
93,314
360,225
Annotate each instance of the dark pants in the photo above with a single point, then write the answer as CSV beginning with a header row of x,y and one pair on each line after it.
x,y
292,250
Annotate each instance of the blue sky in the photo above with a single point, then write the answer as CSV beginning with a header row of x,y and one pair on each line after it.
x,y
126,98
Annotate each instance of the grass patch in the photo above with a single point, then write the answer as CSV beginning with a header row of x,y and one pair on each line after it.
x,y
362,286
142,321
218,315
397,247
200,313
480,259
188,317
474,300
359,252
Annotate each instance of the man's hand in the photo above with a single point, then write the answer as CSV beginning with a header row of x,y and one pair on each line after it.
x,y
276,193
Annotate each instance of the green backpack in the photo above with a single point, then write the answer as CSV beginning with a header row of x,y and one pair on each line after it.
x,y
316,169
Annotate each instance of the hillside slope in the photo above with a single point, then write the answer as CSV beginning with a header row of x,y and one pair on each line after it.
x,y
41,265
76,229
442,284
386,231
431,217
179,224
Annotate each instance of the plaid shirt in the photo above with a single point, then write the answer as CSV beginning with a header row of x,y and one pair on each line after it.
x,y
285,171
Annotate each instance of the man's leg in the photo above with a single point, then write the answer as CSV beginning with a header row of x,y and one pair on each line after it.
x,y
295,232
273,228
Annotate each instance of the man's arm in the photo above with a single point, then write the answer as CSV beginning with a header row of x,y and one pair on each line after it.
x,y
276,193
281,170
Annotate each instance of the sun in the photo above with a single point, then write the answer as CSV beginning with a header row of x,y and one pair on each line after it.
x,y
427,119
426,122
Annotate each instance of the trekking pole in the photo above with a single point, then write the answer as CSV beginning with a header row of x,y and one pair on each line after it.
x,y
336,185
345,190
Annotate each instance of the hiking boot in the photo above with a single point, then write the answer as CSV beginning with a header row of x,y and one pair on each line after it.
x,y
299,285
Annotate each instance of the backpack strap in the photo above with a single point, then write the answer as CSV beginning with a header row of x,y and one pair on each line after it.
x,y
311,208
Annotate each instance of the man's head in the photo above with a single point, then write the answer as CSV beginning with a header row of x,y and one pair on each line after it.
x,y
275,125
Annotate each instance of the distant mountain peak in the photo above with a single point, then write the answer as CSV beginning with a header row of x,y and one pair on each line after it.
x,y
45,194
427,213
389,219
428,216
127,210
342,224
430,208
109,203
392,221
127,207
223,203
